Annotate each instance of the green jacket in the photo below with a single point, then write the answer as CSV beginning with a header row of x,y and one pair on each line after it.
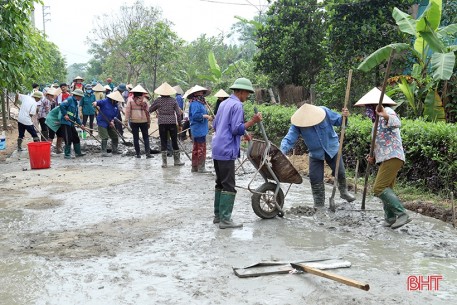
x,y
86,104
53,119
70,107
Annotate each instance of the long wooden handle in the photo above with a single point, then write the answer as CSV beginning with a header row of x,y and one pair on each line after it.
x,y
340,149
332,276
375,128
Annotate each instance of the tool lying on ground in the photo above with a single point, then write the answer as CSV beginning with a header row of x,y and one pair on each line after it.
x,y
340,149
331,276
375,128
275,267
120,136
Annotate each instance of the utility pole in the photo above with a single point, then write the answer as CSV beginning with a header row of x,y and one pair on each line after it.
x,y
46,13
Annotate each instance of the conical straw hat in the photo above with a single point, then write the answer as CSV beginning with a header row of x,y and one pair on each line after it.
x,y
98,88
308,115
165,90
117,96
78,78
107,88
178,89
372,98
139,89
221,93
58,92
198,88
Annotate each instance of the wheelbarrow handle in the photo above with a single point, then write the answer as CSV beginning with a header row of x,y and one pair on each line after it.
x,y
262,128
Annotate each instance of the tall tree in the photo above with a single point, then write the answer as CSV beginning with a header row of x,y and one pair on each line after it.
x,y
289,43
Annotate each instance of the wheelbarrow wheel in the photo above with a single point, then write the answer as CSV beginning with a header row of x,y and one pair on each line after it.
x,y
264,204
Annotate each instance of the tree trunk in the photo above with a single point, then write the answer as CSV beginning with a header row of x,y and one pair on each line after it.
x,y
2,97
272,96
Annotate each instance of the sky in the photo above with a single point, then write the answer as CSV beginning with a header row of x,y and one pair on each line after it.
x,y
70,21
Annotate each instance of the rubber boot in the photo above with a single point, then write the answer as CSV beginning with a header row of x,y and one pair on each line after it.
x,y
78,152
114,146
217,200
396,207
318,190
202,168
67,151
104,149
194,158
389,216
202,159
226,202
19,144
177,158
36,139
59,145
344,194
164,159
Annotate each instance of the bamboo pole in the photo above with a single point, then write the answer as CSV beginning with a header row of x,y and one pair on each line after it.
x,y
375,128
340,149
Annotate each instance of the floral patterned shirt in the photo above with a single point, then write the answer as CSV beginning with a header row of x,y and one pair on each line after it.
x,y
388,144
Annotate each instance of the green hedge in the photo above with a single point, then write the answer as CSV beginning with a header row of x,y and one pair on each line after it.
x,y
430,148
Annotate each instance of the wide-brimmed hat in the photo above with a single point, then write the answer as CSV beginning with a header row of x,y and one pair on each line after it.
x,y
138,89
308,115
122,87
98,88
197,88
78,78
37,94
221,93
55,85
107,88
178,89
78,92
51,91
165,90
372,98
242,84
117,96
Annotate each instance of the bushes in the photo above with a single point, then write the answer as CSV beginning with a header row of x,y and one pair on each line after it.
x,y
430,148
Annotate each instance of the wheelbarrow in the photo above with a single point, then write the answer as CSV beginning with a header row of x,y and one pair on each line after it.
x,y
275,168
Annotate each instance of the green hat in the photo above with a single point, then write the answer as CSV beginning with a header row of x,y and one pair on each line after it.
x,y
37,94
78,92
243,84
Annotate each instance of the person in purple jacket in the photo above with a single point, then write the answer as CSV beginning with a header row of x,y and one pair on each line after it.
x,y
229,126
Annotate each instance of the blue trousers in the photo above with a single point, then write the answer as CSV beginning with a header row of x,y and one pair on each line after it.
x,y
316,168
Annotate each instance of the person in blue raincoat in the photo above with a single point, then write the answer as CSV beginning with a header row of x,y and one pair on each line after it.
x,y
70,116
87,108
108,110
315,125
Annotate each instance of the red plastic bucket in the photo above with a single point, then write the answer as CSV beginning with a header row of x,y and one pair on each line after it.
x,y
40,154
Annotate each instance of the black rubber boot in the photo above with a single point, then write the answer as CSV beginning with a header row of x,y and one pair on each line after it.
x,y
318,190
344,194
19,144
114,146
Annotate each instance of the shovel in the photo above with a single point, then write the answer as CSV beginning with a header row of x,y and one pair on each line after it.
x,y
340,149
130,129
90,133
129,144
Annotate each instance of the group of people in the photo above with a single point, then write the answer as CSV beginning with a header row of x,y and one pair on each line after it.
x,y
314,124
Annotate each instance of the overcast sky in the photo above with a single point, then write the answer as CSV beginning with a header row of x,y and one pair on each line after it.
x,y
72,20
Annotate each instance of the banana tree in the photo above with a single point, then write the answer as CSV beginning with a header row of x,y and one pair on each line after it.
x,y
433,53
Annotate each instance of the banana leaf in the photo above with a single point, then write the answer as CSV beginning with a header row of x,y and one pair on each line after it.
x,y
215,69
448,31
405,22
443,65
433,107
433,41
432,14
408,91
381,55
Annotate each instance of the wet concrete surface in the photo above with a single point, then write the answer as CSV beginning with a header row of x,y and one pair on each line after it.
x,y
123,230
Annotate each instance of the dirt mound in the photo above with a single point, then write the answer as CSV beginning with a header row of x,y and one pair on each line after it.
x,y
302,211
429,209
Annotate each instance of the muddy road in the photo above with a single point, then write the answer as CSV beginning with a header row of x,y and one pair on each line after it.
x,y
122,230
